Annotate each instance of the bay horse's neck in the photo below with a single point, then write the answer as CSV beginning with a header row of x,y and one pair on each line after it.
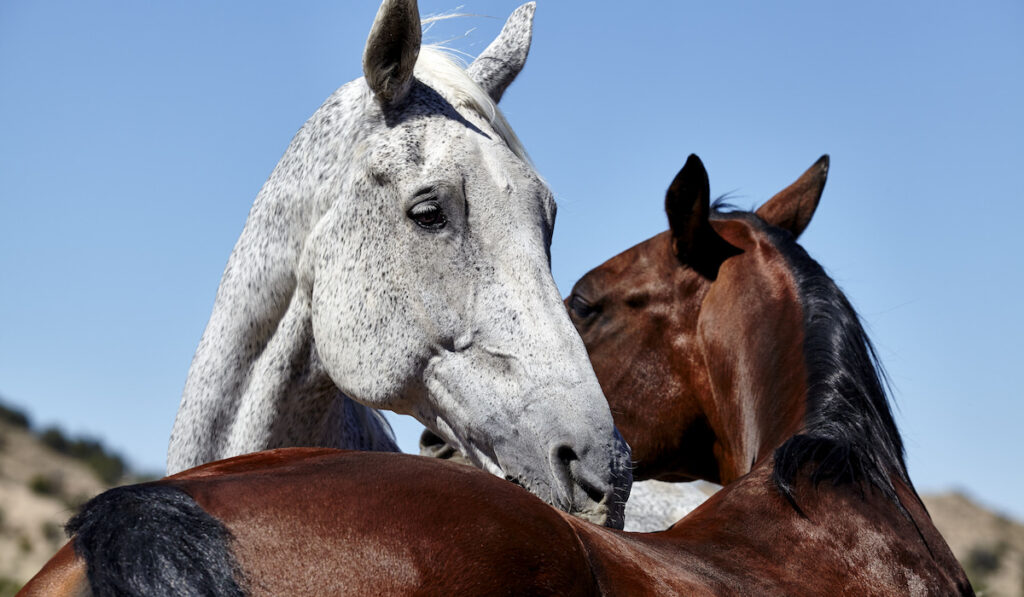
x,y
257,351
755,362
794,377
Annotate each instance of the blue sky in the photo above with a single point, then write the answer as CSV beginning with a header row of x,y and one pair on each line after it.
x,y
134,137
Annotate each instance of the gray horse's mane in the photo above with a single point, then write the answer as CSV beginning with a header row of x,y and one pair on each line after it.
x,y
440,68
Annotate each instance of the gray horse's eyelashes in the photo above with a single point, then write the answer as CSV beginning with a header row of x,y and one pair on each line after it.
x,y
428,214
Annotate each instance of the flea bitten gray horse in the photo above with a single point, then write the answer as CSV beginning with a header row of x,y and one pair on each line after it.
x,y
397,258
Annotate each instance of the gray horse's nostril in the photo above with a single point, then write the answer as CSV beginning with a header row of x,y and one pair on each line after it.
x,y
565,455
575,477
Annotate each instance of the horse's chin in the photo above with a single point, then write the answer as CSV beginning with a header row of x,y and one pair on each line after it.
x,y
602,514
433,446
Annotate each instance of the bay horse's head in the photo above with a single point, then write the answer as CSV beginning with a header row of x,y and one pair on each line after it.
x,y
431,287
697,333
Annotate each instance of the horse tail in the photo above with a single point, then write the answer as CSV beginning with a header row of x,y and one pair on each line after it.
x,y
153,539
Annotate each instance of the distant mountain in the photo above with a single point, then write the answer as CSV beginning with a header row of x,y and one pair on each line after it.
x,y
45,475
990,546
39,490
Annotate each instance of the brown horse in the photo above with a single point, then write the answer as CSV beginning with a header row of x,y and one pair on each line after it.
x,y
707,374
727,354
723,328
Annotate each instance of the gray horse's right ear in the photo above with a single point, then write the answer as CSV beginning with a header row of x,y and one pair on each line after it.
x,y
497,66
392,49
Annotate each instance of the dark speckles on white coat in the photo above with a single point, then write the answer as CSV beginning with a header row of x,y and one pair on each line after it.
x,y
334,303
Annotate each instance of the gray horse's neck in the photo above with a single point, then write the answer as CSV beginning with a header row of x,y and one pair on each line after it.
x,y
256,381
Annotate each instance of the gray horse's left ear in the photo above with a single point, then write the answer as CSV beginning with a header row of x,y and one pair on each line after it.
x,y
392,49
497,66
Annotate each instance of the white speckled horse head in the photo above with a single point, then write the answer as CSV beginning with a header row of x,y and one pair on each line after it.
x,y
397,258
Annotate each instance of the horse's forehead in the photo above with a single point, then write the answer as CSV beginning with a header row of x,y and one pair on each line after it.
x,y
437,141
648,259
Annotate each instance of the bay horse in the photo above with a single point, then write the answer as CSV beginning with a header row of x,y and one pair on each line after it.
x,y
728,354
825,506
398,258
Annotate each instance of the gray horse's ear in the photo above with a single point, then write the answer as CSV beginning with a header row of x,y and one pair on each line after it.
x,y
497,66
792,207
392,49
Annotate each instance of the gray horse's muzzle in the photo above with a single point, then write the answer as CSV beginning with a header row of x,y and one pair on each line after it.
x,y
579,490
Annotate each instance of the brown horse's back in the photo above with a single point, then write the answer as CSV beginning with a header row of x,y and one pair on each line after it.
x,y
747,540
360,523
319,522
63,576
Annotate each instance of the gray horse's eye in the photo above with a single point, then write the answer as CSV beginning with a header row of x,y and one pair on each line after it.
x,y
428,214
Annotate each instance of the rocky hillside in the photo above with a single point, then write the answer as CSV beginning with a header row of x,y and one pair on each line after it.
x,y
990,546
39,488
45,476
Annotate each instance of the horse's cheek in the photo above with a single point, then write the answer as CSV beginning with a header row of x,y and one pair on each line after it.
x,y
361,327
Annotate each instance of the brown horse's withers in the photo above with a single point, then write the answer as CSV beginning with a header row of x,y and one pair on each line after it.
x,y
741,348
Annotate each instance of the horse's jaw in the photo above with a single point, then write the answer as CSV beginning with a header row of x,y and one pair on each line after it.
x,y
548,438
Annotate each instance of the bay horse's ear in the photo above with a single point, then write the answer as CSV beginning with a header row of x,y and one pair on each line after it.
x,y
497,66
793,207
392,49
688,206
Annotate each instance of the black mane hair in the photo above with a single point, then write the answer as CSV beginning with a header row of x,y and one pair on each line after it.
x,y
849,433
154,540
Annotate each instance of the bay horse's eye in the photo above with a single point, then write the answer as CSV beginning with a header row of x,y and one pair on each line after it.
x,y
428,214
580,307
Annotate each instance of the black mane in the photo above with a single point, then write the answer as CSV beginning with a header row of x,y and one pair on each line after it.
x,y
850,435
154,540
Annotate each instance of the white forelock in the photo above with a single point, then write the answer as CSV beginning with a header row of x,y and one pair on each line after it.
x,y
441,69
